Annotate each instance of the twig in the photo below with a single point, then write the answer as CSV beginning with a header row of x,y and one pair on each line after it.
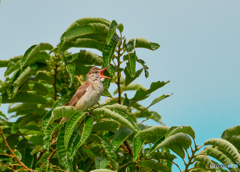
x,y
6,144
177,166
52,154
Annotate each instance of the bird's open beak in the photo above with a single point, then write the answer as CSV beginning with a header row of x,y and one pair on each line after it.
x,y
101,73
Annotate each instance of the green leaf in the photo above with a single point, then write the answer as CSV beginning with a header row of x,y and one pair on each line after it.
x,y
204,160
128,79
121,135
141,94
106,126
137,146
120,27
215,153
3,115
153,133
144,67
25,149
131,64
23,77
44,75
102,170
18,154
143,43
163,155
112,30
177,138
75,32
88,20
106,84
115,116
130,46
71,71
88,56
34,50
108,52
153,165
178,149
231,132
226,146
5,63
71,124
26,98
26,108
85,134
185,129
62,152
131,87
22,121
84,43
46,119
37,149
155,101
100,163
59,112
12,66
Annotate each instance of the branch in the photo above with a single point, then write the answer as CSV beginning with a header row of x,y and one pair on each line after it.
x,y
6,144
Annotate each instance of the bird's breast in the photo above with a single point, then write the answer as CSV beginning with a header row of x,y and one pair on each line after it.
x,y
90,98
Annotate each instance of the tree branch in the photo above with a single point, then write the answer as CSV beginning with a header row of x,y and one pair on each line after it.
x,y
6,144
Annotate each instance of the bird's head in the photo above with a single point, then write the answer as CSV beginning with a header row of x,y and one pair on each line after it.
x,y
96,73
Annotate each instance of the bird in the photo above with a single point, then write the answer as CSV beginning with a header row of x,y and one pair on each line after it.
x,y
89,92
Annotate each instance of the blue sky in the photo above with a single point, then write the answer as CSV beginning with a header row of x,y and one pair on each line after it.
x,y
199,50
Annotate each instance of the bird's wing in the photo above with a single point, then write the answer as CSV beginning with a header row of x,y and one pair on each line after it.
x,y
79,93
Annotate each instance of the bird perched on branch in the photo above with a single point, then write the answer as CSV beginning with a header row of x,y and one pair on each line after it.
x,y
89,93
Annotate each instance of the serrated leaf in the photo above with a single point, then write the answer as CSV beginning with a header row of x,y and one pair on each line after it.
x,y
100,163
59,112
71,124
137,146
12,66
26,98
115,116
121,135
34,50
128,79
106,126
184,129
177,138
215,153
85,134
131,64
130,87
25,148
226,146
153,133
24,75
62,152
231,132
5,63
141,94
44,75
108,52
88,20
143,43
158,99
161,155
112,30
3,115
120,27
88,56
144,67
71,71
203,159
150,164
22,121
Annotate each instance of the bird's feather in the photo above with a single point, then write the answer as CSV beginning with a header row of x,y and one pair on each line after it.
x,y
79,93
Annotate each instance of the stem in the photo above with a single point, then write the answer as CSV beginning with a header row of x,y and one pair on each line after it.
x,y
6,144
55,83
177,166
118,83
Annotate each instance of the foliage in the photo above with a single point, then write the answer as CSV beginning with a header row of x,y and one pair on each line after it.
x,y
107,137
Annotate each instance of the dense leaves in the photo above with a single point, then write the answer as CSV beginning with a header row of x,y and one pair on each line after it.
x,y
48,135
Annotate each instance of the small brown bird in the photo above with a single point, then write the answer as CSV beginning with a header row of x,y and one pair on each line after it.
x,y
89,93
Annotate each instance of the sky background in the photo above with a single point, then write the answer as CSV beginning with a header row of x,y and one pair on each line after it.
x,y
199,50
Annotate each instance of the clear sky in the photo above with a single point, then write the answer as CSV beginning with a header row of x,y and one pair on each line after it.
x,y
199,50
